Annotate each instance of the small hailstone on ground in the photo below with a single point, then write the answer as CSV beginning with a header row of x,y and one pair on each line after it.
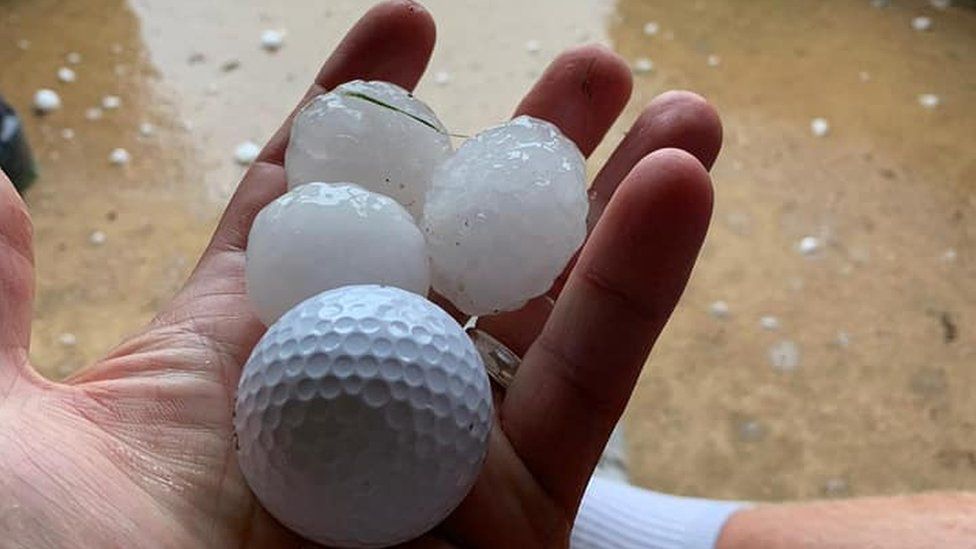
x,y
67,133
97,238
922,23
809,245
819,127
929,100
73,57
442,77
66,75
272,40
23,44
651,28
246,153
769,322
940,4
864,76
533,46
46,100
842,339
949,255
146,129
68,339
93,113
119,157
643,65
110,102
784,356
714,60
719,309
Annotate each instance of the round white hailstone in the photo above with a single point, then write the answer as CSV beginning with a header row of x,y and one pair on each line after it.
x,y
504,215
66,75
321,236
97,238
784,356
375,134
819,127
808,245
714,60
272,40
929,100
922,23
940,4
119,157
68,339
93,113
67,133
442,77
950,255
73,57
719,309
246,153
643,65
651,28
110,102
146,129
770,323
533,46
46,101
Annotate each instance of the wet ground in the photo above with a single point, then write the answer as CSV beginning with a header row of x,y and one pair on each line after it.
x,y
863,389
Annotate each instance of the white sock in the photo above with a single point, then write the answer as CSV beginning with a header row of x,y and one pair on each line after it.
x,y
616,515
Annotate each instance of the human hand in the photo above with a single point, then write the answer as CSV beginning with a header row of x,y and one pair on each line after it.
x,y
137,449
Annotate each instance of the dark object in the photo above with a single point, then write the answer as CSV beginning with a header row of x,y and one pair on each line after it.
x,y
15,155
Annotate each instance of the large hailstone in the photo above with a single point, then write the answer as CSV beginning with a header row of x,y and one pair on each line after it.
x,y
322,236
372,133
504,215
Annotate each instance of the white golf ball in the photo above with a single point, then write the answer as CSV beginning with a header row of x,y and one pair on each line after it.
x,y
362,417
322,236
375,134
504,215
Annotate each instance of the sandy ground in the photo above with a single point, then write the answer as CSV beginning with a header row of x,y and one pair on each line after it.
x,y
880,319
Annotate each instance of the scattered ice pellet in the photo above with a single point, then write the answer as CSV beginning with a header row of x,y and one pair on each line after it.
x,y
643,65
922,23
719,309
842,339
809,245
769,322
940,4
864,76
714,60
93,113
272,40
66,75
819,127
67,133
46,100
146,129
97,238
68,339
246,152
73,57
949,255
442,77
119,157
835,487
110,102
23,44
784,356
929,100
533,46
651,28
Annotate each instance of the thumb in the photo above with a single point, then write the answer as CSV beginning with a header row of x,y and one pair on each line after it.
x,y
16,282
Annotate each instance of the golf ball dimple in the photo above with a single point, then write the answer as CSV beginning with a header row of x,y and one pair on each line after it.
x,y
374,134
504,216
362,417
322,236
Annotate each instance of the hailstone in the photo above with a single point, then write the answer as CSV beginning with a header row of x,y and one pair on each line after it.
x,y
504,215
322,236
372,133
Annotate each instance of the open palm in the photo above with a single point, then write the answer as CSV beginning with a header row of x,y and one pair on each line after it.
x,y
137,450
